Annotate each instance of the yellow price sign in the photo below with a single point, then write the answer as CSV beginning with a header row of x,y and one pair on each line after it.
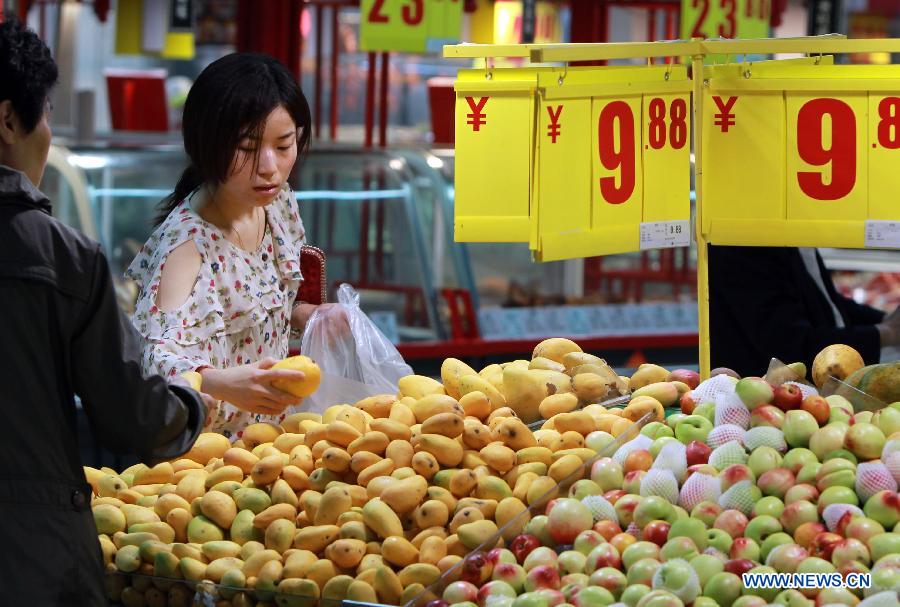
x,y
408,26
799,154
613,158
494,154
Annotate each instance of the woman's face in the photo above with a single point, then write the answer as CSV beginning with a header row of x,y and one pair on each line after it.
x,y
276,154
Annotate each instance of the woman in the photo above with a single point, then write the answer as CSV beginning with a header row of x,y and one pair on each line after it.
x,y
219,275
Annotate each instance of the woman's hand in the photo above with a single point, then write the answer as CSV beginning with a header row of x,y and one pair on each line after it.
x,y
249,387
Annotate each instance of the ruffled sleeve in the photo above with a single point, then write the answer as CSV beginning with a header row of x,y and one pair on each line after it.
x,y
288,234
175,341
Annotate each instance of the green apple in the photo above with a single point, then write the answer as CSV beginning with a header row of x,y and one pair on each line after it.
x,y
676,575
672,420
768,594
772,542
884,508
769,505
678,548
754,392
660,598
656,430
724,588
599,441
808,473
761,527
836,472
812,564
719,539
702,601
639,551
706,566
642,572
653,508
792,598
837,495
595,596
634,593
706,512
841,454
864,440
571,561
795,459
690,528
827,439
799,427
764,459
883,545
707,410
693,427
530,599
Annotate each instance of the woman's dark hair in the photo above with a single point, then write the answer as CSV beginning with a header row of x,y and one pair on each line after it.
x,y
230,101
27,72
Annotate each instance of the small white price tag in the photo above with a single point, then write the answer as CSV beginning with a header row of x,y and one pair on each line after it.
x,y
883,234
665,234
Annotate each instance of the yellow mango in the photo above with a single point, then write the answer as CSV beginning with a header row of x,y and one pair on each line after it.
x,y
404,496
393,429
452,371
219,508
372,441
475,383
555,349
446,451
515,434
208,445
418,386
379,517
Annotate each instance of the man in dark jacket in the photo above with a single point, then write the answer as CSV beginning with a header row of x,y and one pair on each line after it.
x,y
63,335
769,302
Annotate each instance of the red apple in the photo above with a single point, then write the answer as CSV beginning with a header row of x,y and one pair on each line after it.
x,y
744,547
823,545
608,529
818,407
476,569
739,566
494,556
734,474
807,532
685,376
697,453
687,403
788,397
656,532
522,545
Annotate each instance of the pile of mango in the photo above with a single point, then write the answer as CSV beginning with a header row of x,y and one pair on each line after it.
x,y
370,502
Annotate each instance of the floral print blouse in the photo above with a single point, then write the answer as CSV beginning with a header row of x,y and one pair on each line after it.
x,y
240,309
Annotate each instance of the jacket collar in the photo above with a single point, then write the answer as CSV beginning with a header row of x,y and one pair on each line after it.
x,y
16,187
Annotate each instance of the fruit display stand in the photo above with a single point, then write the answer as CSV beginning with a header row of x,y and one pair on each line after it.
x,y
370,502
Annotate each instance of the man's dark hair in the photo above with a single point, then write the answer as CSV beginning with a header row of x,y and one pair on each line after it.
x,y
27,72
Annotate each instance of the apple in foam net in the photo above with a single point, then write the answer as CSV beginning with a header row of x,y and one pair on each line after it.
x,y
767,415
787,397
697,453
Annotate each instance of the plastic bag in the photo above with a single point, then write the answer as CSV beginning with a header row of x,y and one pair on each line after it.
x,y
355,363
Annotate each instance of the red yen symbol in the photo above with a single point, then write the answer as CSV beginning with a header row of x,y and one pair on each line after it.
x,y
476,117
554,128
725,117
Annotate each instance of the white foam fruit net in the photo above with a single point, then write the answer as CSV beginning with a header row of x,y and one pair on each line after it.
x,y
600,508
731,410
765,436
805,389
661,483
633,530
872,477
890,447
881,597
699,488
638,442
892,463
725,433
688,591
833,514
739,497
708,391
727,455
672,457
